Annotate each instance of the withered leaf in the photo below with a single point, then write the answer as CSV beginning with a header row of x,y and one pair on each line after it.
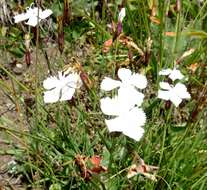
x,y
147,170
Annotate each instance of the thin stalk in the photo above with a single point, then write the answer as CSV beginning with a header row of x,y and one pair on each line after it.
x,y
177,28
36,68
26,134
161,34
13,78
165,132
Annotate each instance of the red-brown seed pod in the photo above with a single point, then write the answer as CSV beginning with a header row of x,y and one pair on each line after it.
x,y
66,13
86,80
178,6
28,58
60,34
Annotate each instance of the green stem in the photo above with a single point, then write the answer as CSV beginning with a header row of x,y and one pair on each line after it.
x,y
14,78
165,132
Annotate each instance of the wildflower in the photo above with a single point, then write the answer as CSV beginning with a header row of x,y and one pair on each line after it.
x,y
119,105
122,14
128,121
128,117
173,93
173,74
32,15
61,88
128,80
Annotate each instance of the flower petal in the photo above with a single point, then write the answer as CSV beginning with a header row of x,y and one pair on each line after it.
x,y
134,120
175,99
51,96
124,74
72,80
165,86
44,14
50,82
176,74
109,106
32,21
67,93
122,14
138,80
109,84
162,94
130,124
115,125
129,97
21,17
135,132
165,72
137,115
33,12
181,90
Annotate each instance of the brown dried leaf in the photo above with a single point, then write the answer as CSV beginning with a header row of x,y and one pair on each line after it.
x,y
153,7
95,165
193,67
171,34
81,162
185,54
154,20
125,40
107,45
96,162
147,170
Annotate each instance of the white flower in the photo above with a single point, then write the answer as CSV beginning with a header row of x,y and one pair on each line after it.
x,y
128,120
129,80
125,106
122,14
32,16
173,93
121,104
174,74
61,88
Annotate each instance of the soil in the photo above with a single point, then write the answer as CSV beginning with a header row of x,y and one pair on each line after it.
x,y
11,110
7,112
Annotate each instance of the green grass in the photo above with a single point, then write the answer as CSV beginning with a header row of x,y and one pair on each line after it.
x,y
174,139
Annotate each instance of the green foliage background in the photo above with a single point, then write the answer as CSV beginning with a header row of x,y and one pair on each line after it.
x,y
174,139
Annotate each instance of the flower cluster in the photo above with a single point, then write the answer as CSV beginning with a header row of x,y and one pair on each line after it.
x,y
124,109
125,106
173,93
32,14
